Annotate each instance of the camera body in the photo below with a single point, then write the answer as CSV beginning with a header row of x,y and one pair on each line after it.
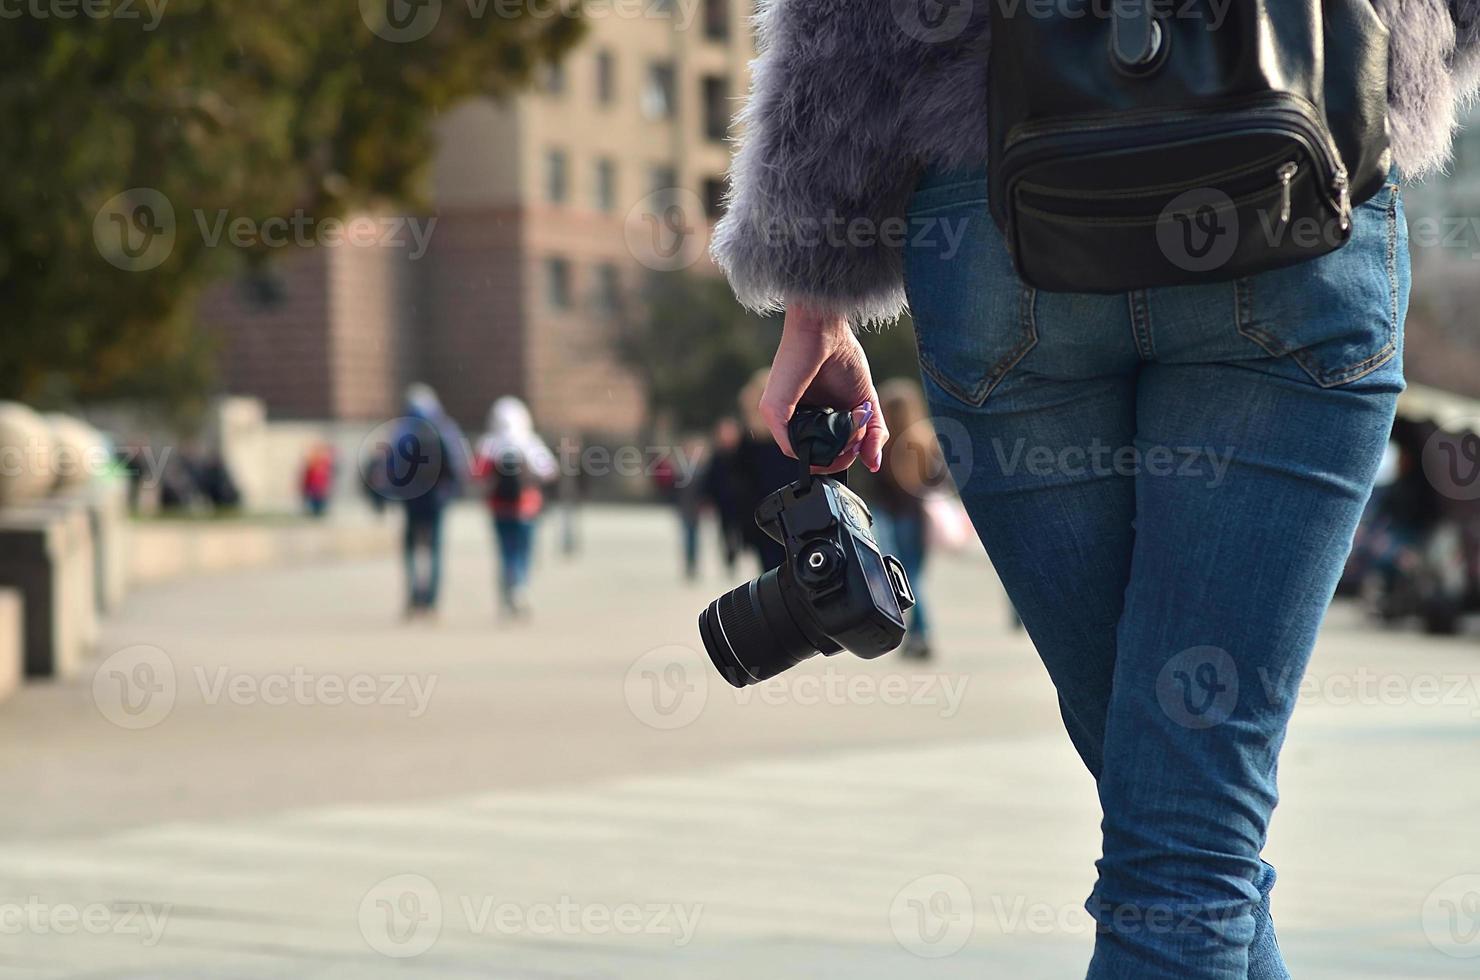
x,y
835,591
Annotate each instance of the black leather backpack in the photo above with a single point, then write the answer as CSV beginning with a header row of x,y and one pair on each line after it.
x,y
1140,143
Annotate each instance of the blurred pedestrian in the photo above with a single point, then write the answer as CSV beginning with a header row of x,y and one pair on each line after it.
x,y
317,483
763,469
721,482
517,465
912,470
682,474
428,466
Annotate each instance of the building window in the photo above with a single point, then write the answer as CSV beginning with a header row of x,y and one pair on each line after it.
x,y
717,19
660,92
714,198
557,177
608,289
557,283
606,185
716,107
552,79
606,77
662,184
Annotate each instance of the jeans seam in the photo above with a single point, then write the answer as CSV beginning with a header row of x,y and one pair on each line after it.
x,y
1140,310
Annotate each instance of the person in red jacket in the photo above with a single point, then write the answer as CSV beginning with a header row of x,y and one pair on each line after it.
x,y
517,466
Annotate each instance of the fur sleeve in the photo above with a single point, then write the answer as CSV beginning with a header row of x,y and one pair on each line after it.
x,y
822,178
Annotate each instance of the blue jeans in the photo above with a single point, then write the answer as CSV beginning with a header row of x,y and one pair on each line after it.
x,y
1168,483
515,548
423,535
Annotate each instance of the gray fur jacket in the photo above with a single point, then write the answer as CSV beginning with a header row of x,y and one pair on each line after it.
x,y
849,103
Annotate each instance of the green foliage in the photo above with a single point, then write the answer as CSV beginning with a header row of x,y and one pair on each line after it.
x,y
693,347
258,108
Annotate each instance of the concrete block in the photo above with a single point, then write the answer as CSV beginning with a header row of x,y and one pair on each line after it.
x,y
12,642
46,554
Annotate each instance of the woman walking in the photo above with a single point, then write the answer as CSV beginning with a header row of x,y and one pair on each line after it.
x,y
517,466
911,470
1167,477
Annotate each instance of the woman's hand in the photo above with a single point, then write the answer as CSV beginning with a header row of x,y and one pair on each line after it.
x,y
821,362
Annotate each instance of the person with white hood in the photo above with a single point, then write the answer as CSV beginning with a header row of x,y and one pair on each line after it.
x,y
517,465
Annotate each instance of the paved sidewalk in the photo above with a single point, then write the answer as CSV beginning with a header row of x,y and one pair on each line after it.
x,y
578,798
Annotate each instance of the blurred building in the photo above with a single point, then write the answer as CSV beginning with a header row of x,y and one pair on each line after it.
x,y
1443,330
536,203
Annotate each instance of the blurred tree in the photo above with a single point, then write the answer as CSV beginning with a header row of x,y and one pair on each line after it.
x,y
693,347
203,107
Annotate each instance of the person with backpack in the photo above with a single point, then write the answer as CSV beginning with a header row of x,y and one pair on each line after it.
x,y
517,466
1158,268
426,467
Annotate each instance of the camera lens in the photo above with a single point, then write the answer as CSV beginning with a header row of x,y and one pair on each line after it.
x,y
750,635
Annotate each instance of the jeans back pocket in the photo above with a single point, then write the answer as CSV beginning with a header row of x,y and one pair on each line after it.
x,y
1337,316
974,318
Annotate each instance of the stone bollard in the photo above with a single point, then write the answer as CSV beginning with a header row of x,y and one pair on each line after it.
x,y
46,553
26,464
79,452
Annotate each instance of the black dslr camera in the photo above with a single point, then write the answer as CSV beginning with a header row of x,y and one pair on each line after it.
x,y
835,591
